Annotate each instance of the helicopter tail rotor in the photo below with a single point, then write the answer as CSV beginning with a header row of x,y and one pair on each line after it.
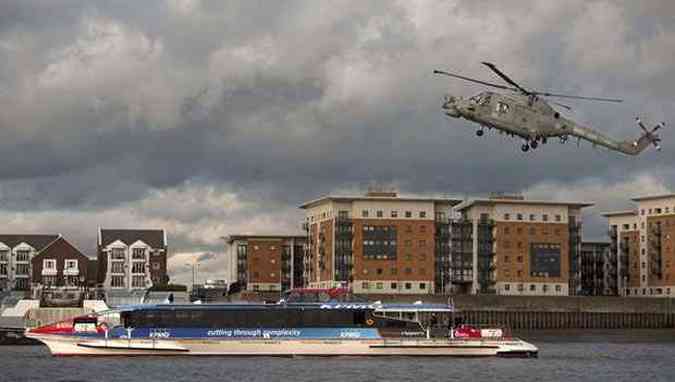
x,y
651,135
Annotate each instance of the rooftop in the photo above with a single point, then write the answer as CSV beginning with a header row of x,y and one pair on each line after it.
x,y
653,197
378,196
619,213
520,201
232,238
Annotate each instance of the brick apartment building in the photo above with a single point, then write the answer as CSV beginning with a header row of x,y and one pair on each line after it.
x,y
642,243
377,243
61,264
16,254
511,246
266,262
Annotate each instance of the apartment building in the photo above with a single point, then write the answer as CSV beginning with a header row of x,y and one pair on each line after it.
x,y
642,242
597,269
61,264
16,254
378,243
266,262
508,245
130,259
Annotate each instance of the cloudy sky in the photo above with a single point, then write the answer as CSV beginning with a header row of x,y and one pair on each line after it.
x,y
209,118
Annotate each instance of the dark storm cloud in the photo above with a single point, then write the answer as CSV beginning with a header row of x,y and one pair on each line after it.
x,y
105,104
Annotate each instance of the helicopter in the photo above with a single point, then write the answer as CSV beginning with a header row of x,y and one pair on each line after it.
x,y
526,114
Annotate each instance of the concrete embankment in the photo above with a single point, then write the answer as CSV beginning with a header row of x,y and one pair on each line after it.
x,y
529,312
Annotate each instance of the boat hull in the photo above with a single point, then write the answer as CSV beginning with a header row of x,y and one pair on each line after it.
x,y
83,346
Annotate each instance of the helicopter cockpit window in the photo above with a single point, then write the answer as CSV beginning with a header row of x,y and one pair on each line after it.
x,y
502,107
476,99
485,101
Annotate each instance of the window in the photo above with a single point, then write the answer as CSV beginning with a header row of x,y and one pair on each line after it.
x,y
138,253
519,259
408,256
507,217
138,267
558,218
49,280
23,269
408,214
49,264
3,269
423,214
365,285
22,255
520,287
117,267
533,287
519,216
507,286
138,282
364,213
71,264
533,217
408,243
408,271
408,228
117,254
379,285
544,288
117,281
394,286
408,285
423,286
4,255
380,214
393,271
423,228
544,217
379,272
506,259
394,214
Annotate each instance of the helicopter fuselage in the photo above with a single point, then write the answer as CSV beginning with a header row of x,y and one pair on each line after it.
x,y
525,116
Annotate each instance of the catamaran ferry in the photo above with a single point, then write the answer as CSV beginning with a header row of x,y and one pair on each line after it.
x,y
282,329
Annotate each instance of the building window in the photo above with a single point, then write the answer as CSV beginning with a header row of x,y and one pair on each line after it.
x,y
364,213
117,254
520,287
23,269
423,228
379,271
544,288
71,264
3,269
558,218
408,243
507,217
408,285
408,256
49,280
393,271
49,264
365,285
533,287
117,281
379,285
507,287
138,254
4,256
423,286
423,214
519,259
117,267
506,259
519,216
394,214
380,214
544,217
408,214
408,271
532,217
138,267
22,255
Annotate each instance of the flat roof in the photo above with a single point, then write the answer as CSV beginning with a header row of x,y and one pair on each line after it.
x,y
470,203
619,213
328,198
232,238
653,197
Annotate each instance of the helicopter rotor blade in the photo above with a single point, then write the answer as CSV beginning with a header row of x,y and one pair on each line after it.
x,y
562,105
547,94
506,78
473,80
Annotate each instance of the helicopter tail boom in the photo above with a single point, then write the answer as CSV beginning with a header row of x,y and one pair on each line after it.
x,y
629,147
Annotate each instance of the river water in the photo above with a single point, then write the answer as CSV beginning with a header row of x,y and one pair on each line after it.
x,y
581,356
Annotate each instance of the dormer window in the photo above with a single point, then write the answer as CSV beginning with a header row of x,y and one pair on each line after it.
x,y
138,254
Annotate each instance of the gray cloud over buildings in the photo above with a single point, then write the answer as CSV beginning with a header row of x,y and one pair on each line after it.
x,y
210,118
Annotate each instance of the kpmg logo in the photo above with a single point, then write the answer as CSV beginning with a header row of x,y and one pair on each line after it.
x,y
347,306
159,334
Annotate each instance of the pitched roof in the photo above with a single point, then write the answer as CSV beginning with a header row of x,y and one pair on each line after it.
x,y
151,237
36,241
53,245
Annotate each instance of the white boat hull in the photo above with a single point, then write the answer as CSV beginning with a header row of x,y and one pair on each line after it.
x,y
80,346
